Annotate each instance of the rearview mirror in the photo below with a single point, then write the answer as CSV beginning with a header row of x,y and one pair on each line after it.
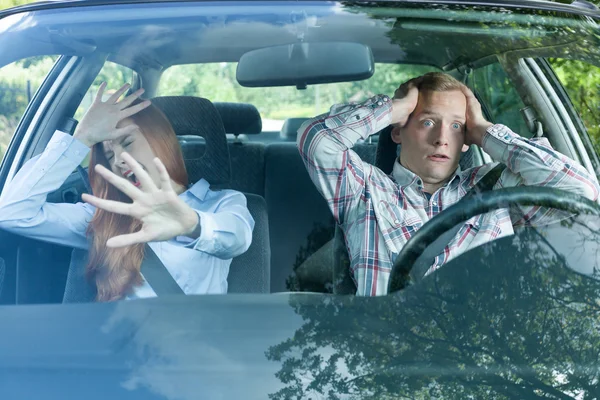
x,y
302,64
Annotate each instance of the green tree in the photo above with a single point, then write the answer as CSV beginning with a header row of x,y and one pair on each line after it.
x,y
582,83
13,3
18,83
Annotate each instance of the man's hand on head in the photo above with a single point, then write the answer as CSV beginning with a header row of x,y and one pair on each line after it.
x,y
405,101
476,124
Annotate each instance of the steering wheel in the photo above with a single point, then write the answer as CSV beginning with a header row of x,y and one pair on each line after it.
x,y
481,204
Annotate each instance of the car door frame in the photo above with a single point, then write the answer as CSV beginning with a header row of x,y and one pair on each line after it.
x,y
31,275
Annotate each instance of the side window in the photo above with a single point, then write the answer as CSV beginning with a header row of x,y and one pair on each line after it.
x,y
18,83
582,83
115,76
500,97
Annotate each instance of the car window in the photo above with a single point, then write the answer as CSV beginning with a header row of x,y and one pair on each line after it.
x,y
217,82
19,82
581,81
500,98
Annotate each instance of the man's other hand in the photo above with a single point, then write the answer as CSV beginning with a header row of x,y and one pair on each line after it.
x,y
476,123
405,101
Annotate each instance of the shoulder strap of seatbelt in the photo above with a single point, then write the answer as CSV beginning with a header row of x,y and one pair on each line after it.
x,y
157,275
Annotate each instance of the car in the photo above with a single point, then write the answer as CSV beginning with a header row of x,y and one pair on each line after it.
x,y
517,317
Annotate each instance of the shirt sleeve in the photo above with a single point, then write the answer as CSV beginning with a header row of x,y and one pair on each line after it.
x,y
533,162
325,144
23,206
227,232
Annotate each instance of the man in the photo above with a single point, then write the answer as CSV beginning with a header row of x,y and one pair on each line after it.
x,y
435,118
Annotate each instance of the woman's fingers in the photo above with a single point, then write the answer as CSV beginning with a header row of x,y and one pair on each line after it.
x,y
128,112
108,205
142,176
120,183
126,102
100,92
165,179
115,96
129,239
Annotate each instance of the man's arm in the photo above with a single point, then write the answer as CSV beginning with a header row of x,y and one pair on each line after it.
x,y
529,162
533,162
325,144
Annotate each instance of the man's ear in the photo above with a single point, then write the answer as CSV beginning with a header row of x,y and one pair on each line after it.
x,y
396,134
464,148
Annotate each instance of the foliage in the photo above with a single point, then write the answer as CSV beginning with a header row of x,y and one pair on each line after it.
x,y
218,83
12,3
18,82
582,82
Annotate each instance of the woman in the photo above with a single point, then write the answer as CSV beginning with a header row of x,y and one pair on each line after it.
x,y
140,195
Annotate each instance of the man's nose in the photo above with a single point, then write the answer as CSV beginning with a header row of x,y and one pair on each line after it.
x,y
441,135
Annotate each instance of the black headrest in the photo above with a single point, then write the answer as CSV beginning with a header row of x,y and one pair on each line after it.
x,y
240,118
197,116
289,130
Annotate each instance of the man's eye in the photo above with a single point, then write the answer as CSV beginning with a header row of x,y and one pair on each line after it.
x,y
427,123
456,126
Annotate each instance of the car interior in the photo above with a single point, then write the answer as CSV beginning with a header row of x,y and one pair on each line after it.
x,y
295,241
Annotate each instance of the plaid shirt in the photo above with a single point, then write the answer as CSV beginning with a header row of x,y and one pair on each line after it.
x,y
379,213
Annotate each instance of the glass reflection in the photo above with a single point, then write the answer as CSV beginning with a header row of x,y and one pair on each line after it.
x,y
515,318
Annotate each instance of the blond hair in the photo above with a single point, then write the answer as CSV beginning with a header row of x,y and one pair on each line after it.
x,y
438,82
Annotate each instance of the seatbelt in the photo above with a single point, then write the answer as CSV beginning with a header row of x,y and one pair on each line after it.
x,y
156,274
426,259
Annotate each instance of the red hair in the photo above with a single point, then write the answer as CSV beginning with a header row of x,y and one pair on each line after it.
x,y
116,271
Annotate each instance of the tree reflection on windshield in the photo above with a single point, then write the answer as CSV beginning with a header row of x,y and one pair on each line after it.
x,y
510,319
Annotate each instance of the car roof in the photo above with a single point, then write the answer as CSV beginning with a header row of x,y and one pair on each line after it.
x,y
187,33
575,6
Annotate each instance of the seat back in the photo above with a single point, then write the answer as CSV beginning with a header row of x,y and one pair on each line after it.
x,y
299,218
195,116
78,289
251,271
297,211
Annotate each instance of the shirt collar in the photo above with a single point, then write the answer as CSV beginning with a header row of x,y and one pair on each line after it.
x,y
199,189
405,177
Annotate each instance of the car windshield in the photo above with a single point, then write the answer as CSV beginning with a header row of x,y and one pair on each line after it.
x,y
368,237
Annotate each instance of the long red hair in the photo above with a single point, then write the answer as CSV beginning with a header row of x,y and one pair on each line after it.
x,y
115,271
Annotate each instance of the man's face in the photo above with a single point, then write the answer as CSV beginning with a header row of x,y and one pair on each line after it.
x,y
434,136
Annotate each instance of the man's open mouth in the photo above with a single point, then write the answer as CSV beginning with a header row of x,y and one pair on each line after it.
x,y
130,176
438,157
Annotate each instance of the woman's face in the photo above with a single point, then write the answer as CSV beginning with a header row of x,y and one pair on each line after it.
x,y
138,147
